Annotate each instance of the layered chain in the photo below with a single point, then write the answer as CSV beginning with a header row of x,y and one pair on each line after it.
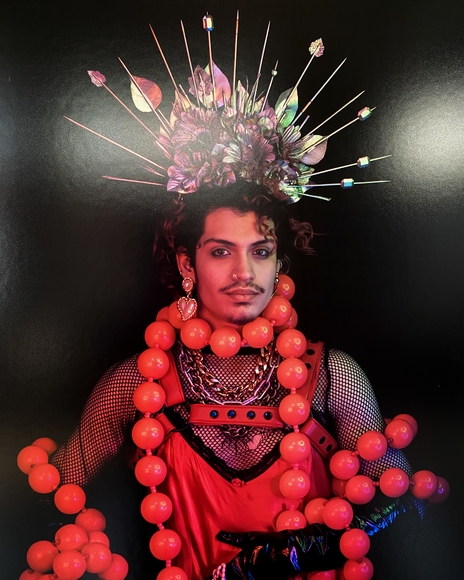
x,y
208,389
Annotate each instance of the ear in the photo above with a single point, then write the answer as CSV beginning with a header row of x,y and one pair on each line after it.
x,y
185,266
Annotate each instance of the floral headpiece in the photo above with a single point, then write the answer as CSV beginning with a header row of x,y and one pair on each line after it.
x,y
221,131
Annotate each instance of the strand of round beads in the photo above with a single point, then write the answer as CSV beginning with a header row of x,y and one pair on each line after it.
x,y
350,488
149,398
196,333
295,447
148,434
294,409
77,548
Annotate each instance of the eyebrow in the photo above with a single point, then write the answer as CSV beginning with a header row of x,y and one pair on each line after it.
x,y
231,244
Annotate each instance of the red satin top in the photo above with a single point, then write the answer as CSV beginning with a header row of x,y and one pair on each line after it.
x,y
205,503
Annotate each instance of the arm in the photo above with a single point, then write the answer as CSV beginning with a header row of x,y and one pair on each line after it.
x,y
354,409
104,424
344,396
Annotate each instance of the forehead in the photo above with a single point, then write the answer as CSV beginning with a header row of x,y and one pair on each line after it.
x,y
226,223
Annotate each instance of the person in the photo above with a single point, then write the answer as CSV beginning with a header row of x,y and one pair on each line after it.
x,y
226,431
222,475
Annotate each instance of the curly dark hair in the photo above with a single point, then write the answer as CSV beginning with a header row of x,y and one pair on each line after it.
x,y
184,224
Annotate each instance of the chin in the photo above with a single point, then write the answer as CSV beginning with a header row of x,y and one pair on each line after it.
x,y
241,318
241,321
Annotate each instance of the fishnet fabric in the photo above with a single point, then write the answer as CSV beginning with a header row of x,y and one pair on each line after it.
x,y
246,453
344,402
104,425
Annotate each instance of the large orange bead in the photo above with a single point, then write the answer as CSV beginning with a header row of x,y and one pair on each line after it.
x,y
100,537
31,456
40,556
406,417
399,433
91,519
290,343
290,520
165,544
337,513
195,333
153,363
149,397
294,409
150,470
278,311
344,464
174,316
69,565
148,433
225,342
372,445
394,482
160,334
313,510
172,573
117,571
291,322
361,569
70,498
44,478
354,544
156,508
423,484
46,443
292,373
97,556
359,489
442,492
338,486
295,447
71,537
285,287
32,575
163,314
294,484
258,333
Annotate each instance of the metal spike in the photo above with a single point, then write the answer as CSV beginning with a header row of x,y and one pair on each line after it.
x,y
115,143
318,92
261,62
190,62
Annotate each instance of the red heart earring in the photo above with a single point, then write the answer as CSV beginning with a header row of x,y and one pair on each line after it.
x,y
186,305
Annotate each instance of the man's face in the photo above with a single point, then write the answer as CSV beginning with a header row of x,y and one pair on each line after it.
x,y
235,268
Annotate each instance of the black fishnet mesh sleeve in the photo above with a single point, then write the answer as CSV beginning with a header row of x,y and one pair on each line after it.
x,y
354,409
106,419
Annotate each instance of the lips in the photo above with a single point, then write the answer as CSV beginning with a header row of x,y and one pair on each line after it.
x,y
242,292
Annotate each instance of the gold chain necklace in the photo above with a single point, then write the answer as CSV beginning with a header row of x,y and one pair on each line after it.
x,y
209,390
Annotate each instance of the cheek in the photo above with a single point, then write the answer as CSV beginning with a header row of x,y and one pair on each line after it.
x,y
272,278
207,281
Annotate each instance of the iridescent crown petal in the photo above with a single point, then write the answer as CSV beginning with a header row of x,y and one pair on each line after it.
x,y
220,131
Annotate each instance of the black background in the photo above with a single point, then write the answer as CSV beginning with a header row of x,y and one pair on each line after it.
x,y
77,287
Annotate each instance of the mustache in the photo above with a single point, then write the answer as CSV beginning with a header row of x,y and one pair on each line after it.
x,y
238,285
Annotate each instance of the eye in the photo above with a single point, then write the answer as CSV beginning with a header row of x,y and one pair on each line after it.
x,y
219,252
262,252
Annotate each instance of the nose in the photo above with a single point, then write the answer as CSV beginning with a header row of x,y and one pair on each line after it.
x,y
243,270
